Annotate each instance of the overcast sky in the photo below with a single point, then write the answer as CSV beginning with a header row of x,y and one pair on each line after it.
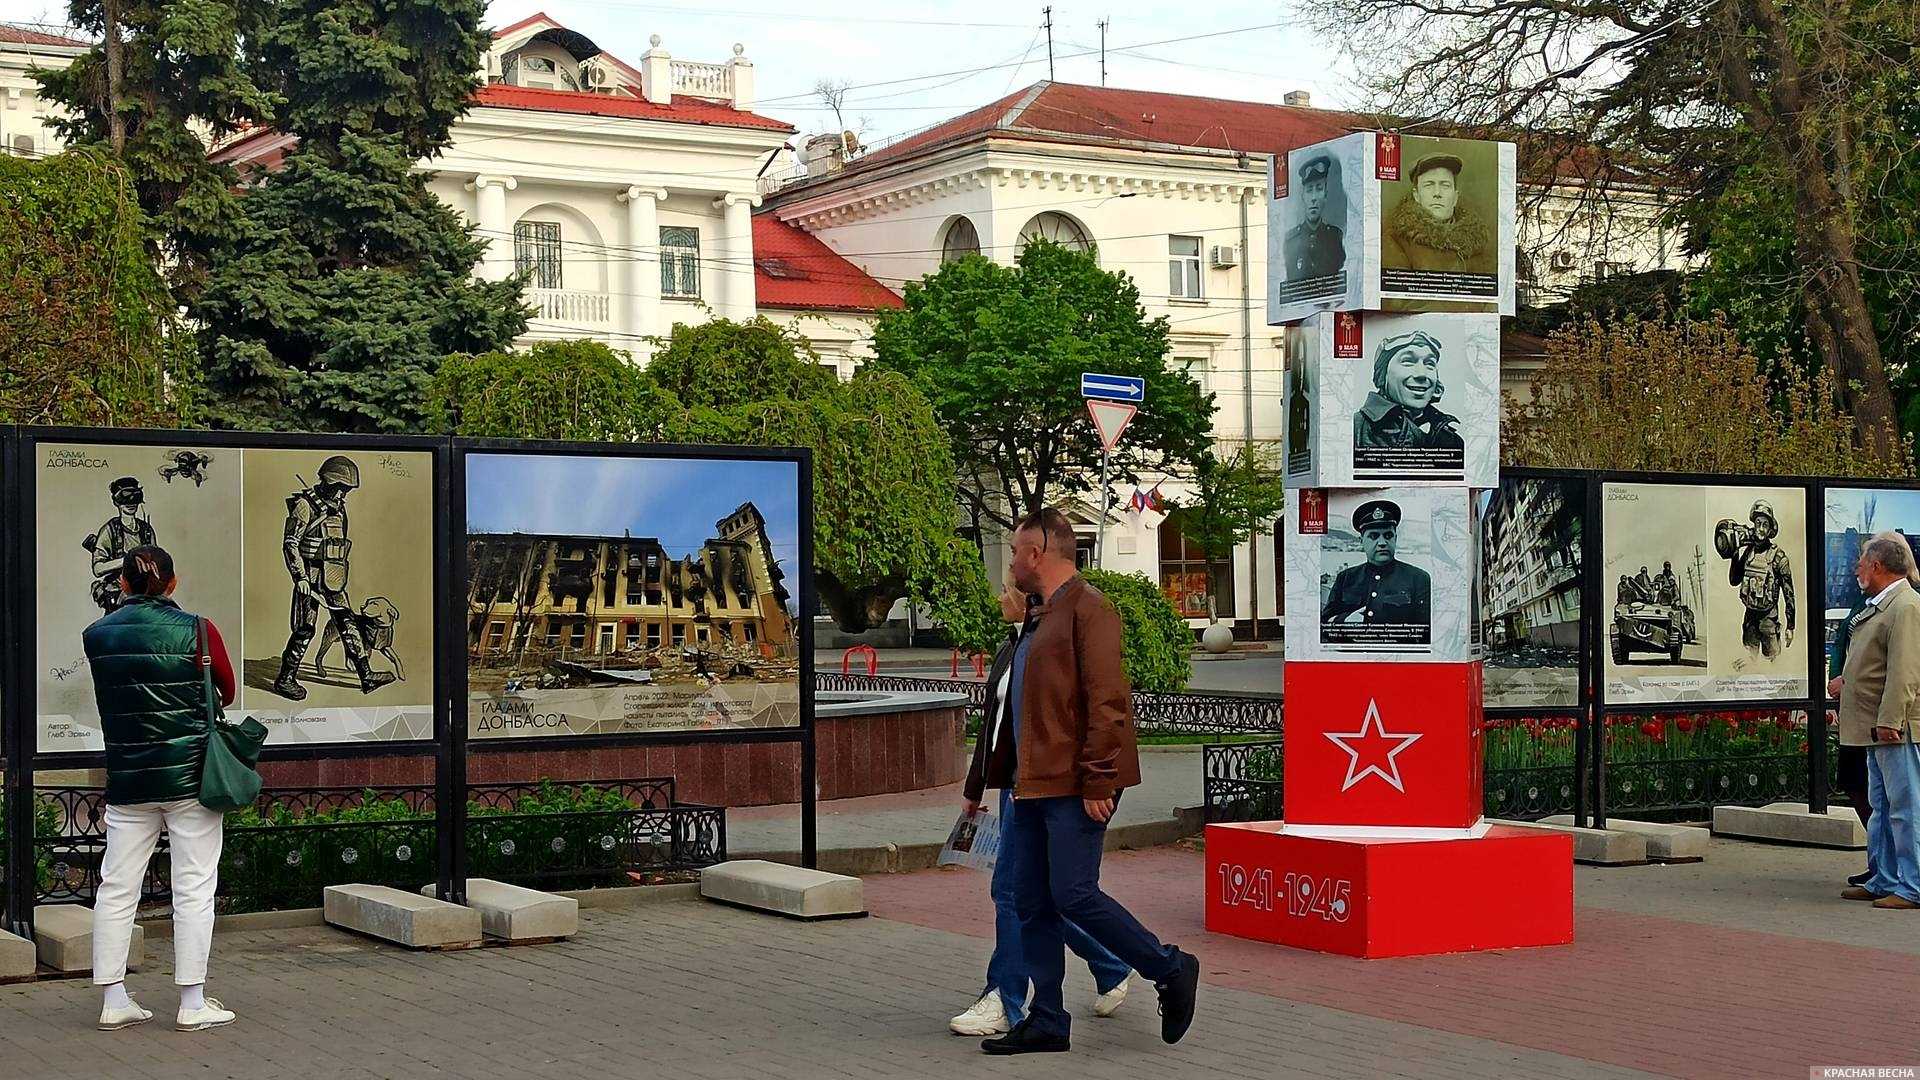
x,y
794,43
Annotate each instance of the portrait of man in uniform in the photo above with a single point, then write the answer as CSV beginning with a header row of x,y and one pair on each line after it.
x,y
1380,600
1760,571
317,551
1315,248
1400,410
127,529
1430,228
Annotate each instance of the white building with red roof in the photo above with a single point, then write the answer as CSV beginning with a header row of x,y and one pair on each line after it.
x,y
1170,188
626,193
25,117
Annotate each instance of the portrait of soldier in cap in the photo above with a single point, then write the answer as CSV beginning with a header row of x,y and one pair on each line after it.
x,y
1432,229
108,545
1759,570
1399,411
1382,590
1314,248
317,551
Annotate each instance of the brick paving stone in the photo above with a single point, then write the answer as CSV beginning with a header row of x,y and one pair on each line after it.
x,y
1736,968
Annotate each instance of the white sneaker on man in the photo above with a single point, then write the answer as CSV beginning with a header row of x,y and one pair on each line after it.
x,y
1109,1003
984,1017
210,1015
112,1019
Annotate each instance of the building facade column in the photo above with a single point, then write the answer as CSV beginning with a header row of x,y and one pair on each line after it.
x,y
490,191
736,254
643,268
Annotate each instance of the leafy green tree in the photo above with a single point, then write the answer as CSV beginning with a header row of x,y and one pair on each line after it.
x,y
347,282
1233,496
85,312
579,390
1156,648
998,350
883,480
177,68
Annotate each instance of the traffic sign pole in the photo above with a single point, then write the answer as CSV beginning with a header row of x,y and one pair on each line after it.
x,y
1110,419
1106,503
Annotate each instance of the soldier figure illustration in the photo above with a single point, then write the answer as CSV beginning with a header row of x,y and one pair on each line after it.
x,y
1314,248
1666,588
317,551
1399,410
1430,230
1383,589
109,544
1758,568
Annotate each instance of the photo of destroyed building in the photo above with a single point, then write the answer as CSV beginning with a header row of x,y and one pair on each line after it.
x,y
587,608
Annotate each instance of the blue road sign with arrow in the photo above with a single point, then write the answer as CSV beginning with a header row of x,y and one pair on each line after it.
x,y
1112,387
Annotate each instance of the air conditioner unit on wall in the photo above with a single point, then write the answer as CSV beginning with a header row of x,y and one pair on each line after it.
x,y
1225,256
1561,261
596,76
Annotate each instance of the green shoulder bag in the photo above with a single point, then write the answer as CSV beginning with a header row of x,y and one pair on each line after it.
x,y
228,780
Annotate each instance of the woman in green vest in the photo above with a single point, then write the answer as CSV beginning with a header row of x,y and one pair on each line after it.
x,y
149,661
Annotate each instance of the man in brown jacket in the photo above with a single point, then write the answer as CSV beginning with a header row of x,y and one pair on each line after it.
x,y
1072,754
1880,705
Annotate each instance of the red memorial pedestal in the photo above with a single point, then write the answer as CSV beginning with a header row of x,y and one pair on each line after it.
x,y
1511,888
1383,852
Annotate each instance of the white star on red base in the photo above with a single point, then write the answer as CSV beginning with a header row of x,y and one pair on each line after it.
x,y
1374,739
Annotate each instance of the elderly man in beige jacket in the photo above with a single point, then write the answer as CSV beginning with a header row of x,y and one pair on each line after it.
x,y
1880,704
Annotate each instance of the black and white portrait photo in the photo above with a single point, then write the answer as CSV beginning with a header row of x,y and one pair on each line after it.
x,y
1441,222
1378,598
1401,425
1315,222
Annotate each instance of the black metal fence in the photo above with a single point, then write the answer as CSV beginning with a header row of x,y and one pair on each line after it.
x,y
294,842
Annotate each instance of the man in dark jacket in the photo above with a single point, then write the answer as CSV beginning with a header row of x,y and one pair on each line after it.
x,y
1429,229
1074,754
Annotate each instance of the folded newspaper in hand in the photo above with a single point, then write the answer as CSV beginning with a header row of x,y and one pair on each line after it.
x,y
974,842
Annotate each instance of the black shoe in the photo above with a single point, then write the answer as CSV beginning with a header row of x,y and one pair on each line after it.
x,y
288,684
1026,1039
1860,878
1176,996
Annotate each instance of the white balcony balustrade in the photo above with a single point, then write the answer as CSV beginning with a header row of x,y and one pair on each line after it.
x,y
572,307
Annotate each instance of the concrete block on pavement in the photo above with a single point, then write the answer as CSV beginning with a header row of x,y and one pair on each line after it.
x,y
1792,823
512,913
1665,843
63,938
17,957
404,918
1595,847
784,890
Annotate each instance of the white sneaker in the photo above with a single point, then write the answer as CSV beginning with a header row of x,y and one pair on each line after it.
x,y
124,1017
985,1017
210,1015
1109,1003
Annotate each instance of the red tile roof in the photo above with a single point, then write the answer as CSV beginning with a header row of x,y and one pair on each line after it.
x,y
1065,112
538,16
793,268
14,35
683,110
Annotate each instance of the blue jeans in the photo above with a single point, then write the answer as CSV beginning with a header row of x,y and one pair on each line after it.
x,y
1052,850
1893,848
1007,970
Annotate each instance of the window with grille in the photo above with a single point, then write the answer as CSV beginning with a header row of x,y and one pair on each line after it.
x,y
1187,574
680,262
536,252
1183,267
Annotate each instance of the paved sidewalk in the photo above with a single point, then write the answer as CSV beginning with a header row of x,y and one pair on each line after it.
x,y
1669,977
1170,778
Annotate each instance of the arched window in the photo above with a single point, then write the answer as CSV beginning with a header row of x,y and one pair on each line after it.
x,y
961,239
1057,227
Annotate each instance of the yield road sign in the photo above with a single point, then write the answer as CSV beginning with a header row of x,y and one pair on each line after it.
x,y
1112,387
1110,418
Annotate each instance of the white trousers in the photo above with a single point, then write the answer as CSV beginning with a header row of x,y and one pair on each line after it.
x,y
195,836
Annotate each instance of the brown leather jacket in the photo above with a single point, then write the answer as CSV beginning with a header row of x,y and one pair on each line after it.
x,y
1076,723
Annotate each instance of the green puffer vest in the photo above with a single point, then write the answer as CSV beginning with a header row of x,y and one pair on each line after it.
x,y
153,713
